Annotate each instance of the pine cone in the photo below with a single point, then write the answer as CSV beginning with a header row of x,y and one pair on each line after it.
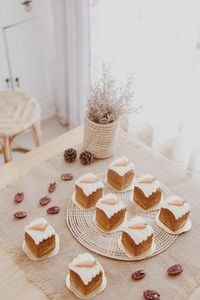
x,y
70,155
86,158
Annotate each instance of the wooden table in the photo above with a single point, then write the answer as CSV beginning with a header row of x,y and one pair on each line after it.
x,y
13,282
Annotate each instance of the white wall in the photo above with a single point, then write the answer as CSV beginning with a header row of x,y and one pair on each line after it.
x,y
156,41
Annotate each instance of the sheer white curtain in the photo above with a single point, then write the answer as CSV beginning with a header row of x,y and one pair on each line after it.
x,y
72,59
158,41
187,147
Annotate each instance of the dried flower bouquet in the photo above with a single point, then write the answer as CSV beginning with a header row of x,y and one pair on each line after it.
x,y
109,100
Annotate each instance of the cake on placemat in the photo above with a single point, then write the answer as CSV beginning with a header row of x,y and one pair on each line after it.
x,y
110,211
40,237
147,191
137,236
88,190
86,274
174,212
121,173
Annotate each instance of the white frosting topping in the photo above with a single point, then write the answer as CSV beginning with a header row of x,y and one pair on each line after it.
x,y
86,273
138,235
38,235
110,209
177,211
148,188
89,188
121,170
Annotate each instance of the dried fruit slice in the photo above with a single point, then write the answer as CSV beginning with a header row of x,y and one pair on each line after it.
x,y
44,200
138,275
66,177
20,214
19,197
86,264
52,187
151,295
138,226
175,270
53,210
176,202
39,227
109,201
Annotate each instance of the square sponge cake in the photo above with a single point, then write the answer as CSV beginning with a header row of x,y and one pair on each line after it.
x,y
174,212
147,191
120,174
86,274
40,237
137,236
110,211
88,190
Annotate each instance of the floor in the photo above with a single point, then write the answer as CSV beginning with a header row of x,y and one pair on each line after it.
x,y
51,128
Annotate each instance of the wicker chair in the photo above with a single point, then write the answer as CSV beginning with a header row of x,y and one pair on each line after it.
x,y
18,114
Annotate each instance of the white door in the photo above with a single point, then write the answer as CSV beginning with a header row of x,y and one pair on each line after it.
x,y
30,55
5,80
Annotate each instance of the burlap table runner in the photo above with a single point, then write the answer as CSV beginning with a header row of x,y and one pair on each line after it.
x,y
50,274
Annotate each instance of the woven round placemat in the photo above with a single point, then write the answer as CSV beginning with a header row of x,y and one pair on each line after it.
x,y
83,229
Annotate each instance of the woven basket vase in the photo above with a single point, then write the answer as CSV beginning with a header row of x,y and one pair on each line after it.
x,y
100,139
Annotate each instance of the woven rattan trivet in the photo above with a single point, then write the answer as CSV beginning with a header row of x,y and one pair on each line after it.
x,y
83,229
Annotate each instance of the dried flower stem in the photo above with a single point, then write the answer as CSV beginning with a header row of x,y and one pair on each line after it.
x,y
108,100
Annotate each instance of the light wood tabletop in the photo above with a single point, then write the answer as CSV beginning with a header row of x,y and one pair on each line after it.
x,y
13,282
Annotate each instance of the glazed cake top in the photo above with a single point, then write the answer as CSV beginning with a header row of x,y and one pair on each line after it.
x,y
39,230
121,165
89,183
177,205
110,204
86,266
138,230
148,184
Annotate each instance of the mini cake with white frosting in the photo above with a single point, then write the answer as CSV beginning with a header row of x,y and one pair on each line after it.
x,y
138,230
137,236
89,183
40,237
88,189
121,166
86,274
147,191
110,211
174,212
121,173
